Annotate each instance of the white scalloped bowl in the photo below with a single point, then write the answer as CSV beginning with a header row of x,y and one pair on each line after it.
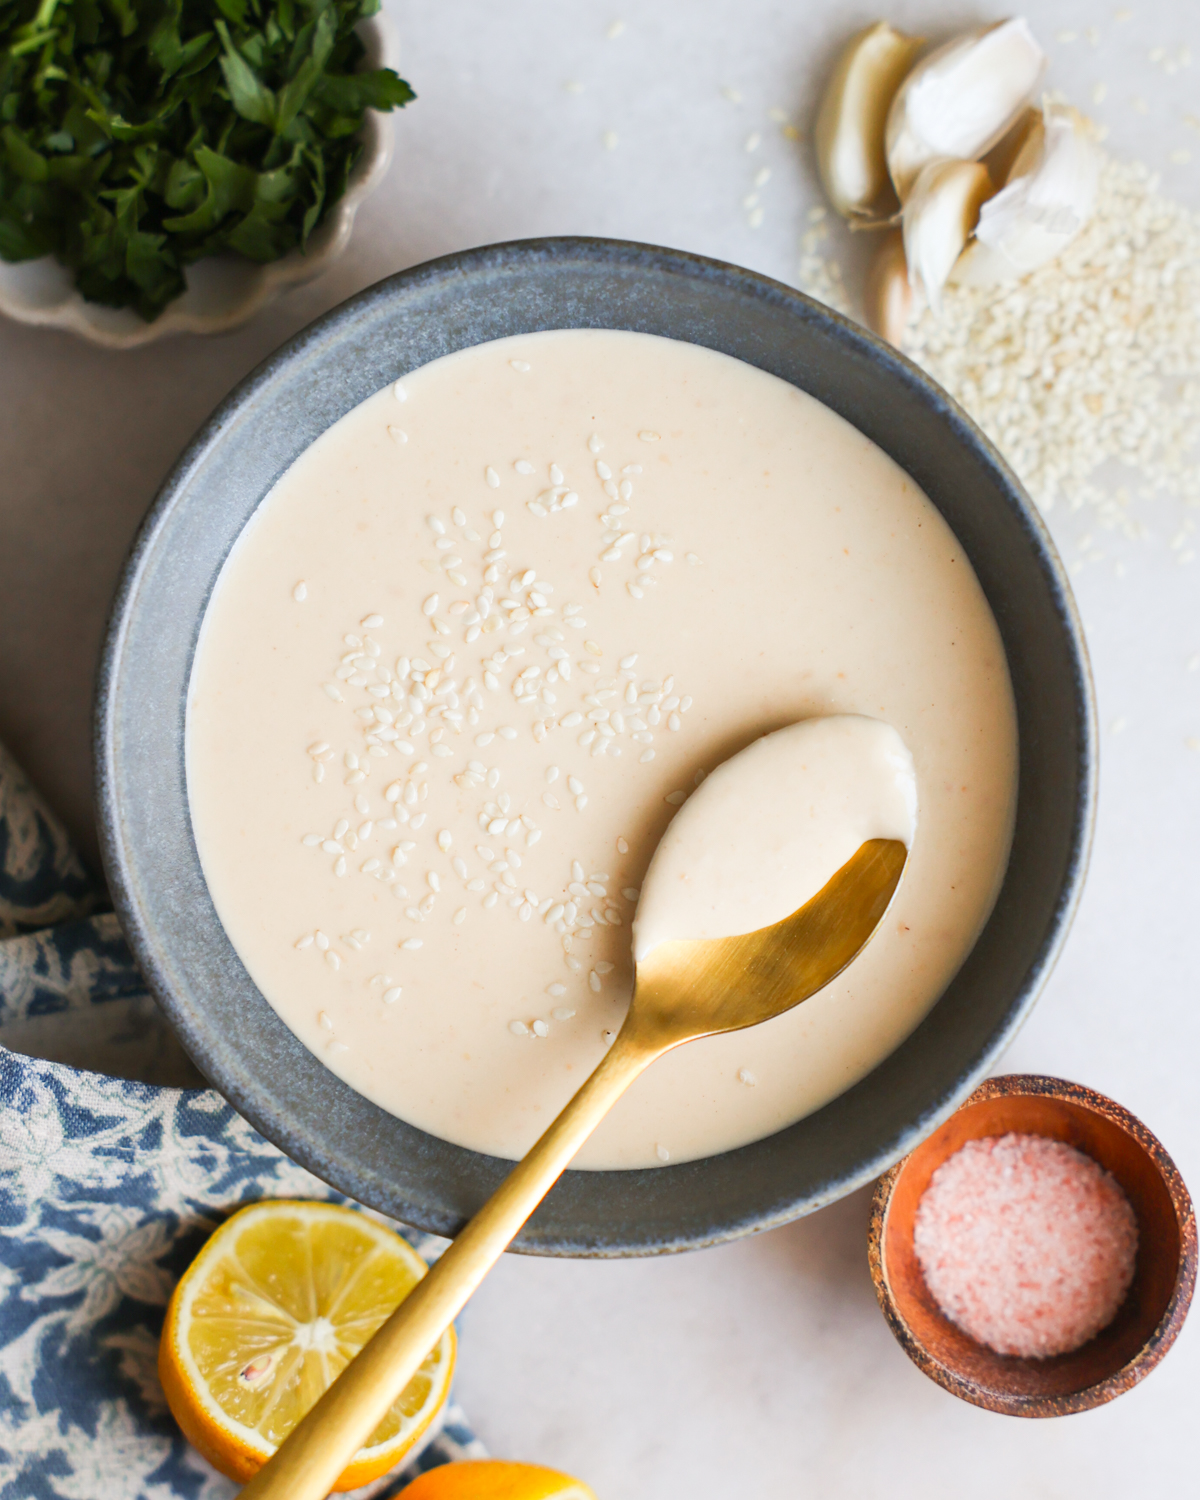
x,y
224,290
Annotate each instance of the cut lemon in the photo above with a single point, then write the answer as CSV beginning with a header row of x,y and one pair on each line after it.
x,y
266,1317
489,1479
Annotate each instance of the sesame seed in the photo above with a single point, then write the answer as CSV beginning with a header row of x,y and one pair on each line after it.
x,y
675,798
539,1028
523,466
747,1077
518,1028
399,392
323,1018
391,996
460,916
371,622
520,365
305,941
397,435
300,592
430,605
662,1153
411,944
562,1013
492,477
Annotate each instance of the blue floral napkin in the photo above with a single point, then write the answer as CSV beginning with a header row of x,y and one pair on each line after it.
x,y
108,1187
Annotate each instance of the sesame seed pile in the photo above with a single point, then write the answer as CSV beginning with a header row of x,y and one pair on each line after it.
x,y
1085,373
1094,358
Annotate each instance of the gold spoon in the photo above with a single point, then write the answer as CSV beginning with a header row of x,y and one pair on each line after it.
x,y
682,990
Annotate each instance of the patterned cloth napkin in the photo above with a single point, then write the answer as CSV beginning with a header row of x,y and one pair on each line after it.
x,y
108,1187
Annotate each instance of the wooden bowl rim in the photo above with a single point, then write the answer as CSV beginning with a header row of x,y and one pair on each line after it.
x,y
1134,1370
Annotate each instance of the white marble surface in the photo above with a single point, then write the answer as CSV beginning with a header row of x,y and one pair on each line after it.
x,y
762,1368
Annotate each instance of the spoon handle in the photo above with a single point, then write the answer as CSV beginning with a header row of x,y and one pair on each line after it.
x,y
309,1462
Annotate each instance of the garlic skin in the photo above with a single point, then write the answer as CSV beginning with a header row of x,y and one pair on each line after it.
x,y
1048,198
849,130
888,293
962,99
941,211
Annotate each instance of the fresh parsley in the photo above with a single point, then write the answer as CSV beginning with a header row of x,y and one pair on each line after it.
x,y
137,136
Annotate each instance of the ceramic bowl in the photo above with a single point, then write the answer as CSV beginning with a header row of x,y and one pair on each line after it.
x,y
223,291
1164,1276
153,869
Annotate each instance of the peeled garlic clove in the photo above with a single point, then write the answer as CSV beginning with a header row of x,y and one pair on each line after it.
x,y
961,99
850,122
888,295
941,211
1049,196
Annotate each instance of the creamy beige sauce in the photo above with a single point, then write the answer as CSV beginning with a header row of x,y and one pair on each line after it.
x,y
473,651
772,825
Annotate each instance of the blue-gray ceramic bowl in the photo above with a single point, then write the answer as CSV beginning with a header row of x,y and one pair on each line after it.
x,y
150,854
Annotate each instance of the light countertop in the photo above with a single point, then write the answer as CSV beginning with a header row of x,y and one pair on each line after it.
x,y
762,1368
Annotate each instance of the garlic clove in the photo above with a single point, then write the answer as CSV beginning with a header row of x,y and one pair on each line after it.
x,y
941,211
849,131
1049,196
888,293
962,99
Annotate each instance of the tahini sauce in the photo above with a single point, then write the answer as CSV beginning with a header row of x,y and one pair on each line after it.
x,y
742,559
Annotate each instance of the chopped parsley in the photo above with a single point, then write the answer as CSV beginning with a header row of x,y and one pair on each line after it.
x,y
138,136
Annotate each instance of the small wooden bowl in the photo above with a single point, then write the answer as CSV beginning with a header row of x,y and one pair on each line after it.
x,y
1164,1276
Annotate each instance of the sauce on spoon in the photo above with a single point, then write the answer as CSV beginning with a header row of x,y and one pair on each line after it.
x,y
770,826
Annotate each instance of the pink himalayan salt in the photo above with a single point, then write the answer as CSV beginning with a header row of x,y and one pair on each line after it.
x,y
1027,1244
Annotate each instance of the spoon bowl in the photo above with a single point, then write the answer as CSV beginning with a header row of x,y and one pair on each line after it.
x,y
683,990
687,988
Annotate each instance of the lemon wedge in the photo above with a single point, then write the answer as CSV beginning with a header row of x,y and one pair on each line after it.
x,y
490,1479
273,1308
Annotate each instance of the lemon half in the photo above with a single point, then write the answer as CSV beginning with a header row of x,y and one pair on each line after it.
x,y
270,1312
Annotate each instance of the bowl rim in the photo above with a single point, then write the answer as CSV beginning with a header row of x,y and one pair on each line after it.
x,y
1135,1369
853,341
